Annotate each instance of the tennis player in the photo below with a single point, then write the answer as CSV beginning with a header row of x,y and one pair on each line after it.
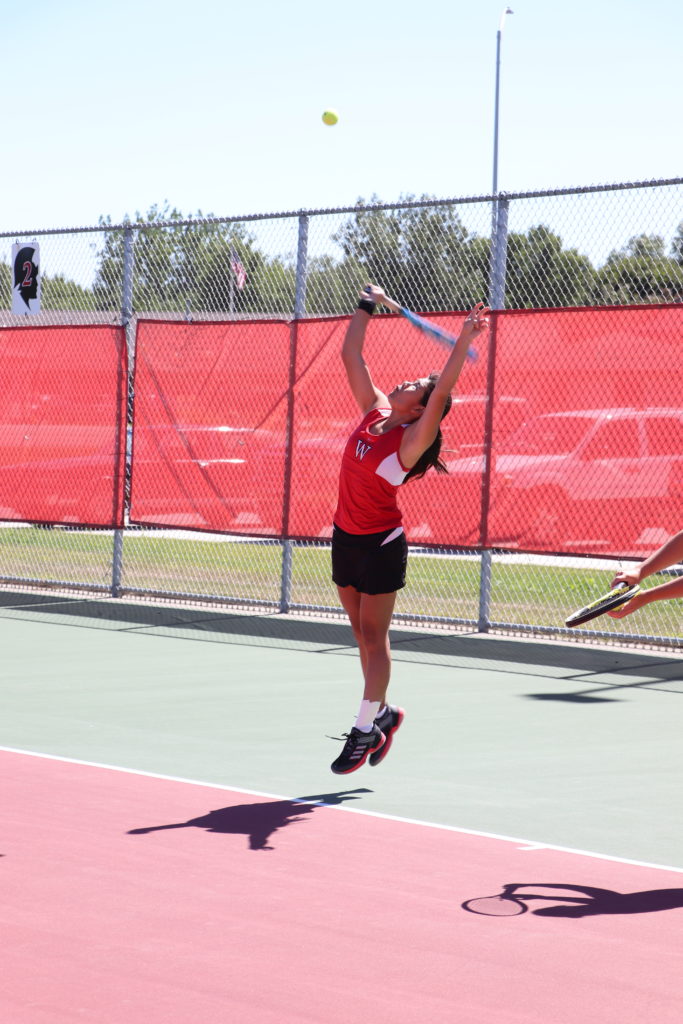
x,y
670,553
398,439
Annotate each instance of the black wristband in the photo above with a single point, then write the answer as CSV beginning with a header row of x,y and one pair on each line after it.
x,y
367,306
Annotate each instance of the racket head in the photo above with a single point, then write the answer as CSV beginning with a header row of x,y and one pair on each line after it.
x,y
437,333
495,906
619,595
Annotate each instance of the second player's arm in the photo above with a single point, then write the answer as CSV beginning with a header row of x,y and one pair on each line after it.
x,y
669,554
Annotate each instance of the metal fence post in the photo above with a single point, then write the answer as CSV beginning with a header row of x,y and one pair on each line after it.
x,y
499,249
126,323
299,312
499,240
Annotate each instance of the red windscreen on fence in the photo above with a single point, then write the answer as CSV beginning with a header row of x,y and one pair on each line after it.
x,y
587,430
209,426
597,465
62,424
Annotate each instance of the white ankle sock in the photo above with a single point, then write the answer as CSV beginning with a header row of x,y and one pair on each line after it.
x,y
367,714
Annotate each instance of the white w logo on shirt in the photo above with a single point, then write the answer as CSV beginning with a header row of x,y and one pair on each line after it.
x,y
362,449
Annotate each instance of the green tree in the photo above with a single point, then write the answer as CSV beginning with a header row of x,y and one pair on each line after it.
x,y
422,255
641,272
540,273
427,257
58,292
179,267
5,286
677,245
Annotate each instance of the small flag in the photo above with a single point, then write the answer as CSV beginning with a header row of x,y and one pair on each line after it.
x,y
238,270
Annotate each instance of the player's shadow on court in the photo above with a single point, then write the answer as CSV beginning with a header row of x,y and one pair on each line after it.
x,y
592,901
258,821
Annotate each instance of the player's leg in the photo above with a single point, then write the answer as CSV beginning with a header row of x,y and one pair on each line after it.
x,y
378,573
369,616
350,601
376,613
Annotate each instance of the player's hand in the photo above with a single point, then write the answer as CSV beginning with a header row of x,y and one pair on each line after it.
x,y
373,293
636,602
631,578
477,320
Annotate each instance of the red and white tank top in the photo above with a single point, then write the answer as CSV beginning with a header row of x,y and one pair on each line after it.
x,y
371,473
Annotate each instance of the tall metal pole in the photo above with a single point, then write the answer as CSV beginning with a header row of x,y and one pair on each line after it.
x,y
496,301
508,10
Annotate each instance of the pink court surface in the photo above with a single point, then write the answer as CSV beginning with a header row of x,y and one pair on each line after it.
x,y
133,898
175,849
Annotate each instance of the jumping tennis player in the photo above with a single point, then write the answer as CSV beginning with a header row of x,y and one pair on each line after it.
x,y
670,553
398,439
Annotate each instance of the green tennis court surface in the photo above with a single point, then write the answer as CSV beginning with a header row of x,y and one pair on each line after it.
x,y
562,745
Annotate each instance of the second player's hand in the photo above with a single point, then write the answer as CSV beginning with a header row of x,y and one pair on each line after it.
x,y
633,605
630,578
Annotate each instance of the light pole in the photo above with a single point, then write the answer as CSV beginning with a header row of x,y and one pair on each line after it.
x,y
499,210
508,10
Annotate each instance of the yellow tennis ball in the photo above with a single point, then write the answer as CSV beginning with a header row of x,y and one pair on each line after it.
x,y
330,117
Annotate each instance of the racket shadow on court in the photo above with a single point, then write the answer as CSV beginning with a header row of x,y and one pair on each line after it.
x,y
258,821
515,898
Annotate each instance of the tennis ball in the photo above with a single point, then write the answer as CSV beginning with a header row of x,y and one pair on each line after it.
x,y
330,117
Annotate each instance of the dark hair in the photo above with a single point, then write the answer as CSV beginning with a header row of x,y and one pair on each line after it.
x,y
430,457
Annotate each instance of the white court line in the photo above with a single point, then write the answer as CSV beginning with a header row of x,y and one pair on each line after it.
x,y
522,844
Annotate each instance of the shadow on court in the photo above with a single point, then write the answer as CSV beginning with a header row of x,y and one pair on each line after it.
x,y
451,649
592,901
259,821
667,670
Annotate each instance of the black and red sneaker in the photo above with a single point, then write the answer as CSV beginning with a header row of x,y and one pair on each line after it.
x,y
389,722
358,747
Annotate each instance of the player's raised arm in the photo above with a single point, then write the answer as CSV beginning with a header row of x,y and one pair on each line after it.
x,y
420,434
364,391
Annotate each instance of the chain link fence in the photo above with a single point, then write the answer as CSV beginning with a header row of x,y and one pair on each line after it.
x,y
619,245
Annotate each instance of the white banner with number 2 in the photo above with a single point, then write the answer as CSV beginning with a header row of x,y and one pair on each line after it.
x,y
25,278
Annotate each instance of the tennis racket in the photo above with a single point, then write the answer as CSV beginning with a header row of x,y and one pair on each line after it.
x,y
431,330
501,905
619,595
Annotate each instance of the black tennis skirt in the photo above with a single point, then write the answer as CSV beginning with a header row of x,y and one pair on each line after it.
x,y
366,562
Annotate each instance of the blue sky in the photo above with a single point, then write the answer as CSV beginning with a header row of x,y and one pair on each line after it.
x,y
110,108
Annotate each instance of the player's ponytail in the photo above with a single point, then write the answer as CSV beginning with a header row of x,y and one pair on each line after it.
x,y
431,457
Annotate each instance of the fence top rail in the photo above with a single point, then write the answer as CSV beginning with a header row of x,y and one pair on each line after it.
x,y
358,208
